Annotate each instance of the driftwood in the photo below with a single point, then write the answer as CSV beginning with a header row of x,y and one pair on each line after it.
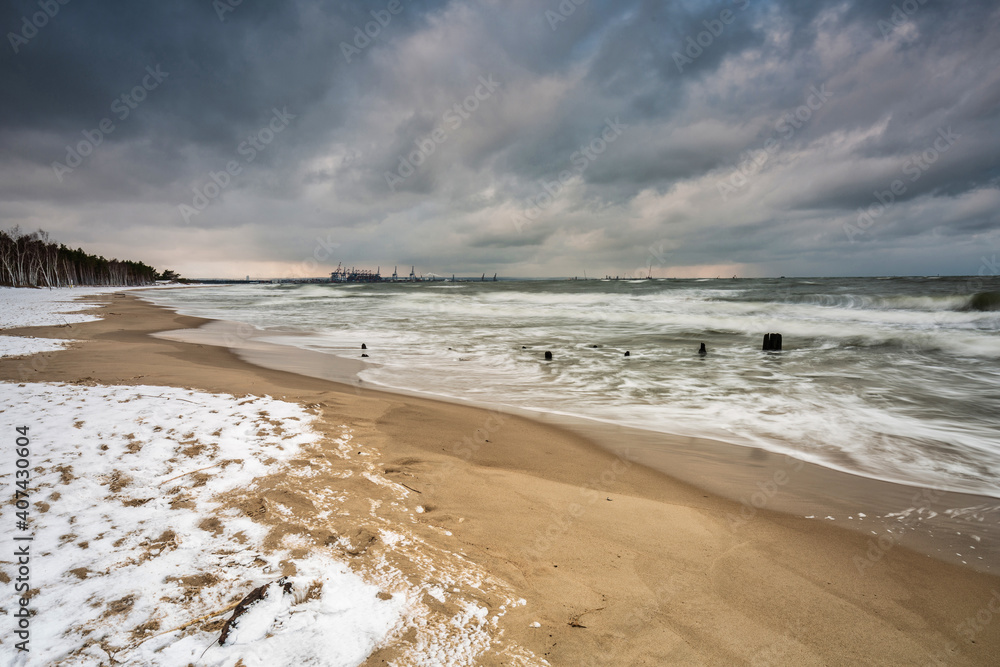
x,y
170,398
574,621
215,613
244,605
193,471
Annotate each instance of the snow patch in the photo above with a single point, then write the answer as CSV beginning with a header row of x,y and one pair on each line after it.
x,y
22,346
25,307
129,546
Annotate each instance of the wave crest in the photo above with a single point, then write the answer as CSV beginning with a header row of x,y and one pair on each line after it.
x,y
983,301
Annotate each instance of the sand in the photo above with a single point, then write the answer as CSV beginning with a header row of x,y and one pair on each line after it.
x,y
619,564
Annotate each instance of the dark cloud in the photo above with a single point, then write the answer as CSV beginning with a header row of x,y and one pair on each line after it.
x,y
704,90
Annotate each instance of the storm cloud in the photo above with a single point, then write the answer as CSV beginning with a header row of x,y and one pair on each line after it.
x,y
225,138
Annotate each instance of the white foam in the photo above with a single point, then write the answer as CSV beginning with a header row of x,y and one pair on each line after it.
x,y
873,380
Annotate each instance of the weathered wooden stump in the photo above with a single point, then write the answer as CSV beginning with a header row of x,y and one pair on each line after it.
x,y
772,342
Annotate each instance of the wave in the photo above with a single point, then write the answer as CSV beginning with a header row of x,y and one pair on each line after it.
x,y
979,302
885,381
867,302
983,301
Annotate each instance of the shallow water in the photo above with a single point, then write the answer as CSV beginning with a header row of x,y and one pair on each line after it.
x,y
896,379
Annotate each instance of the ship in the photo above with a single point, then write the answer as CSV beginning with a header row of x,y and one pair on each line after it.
x,y
344,275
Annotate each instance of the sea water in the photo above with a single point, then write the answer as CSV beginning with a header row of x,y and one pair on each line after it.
x,y
895,379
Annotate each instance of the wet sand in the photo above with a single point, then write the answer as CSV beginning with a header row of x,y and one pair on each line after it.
x,y
959,528
619,563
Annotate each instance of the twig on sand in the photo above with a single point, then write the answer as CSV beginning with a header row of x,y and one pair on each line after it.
x,y
172,398
410,488
190,623
192,472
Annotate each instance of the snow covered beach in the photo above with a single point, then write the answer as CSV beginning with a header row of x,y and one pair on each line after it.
x,y
39,308
142,508
406,531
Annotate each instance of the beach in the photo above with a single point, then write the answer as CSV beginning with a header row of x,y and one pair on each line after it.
x,y
467,332
493,538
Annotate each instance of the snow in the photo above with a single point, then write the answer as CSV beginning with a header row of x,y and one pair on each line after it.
x,y
117,560
28,307
132,542
22,346
25,307
283,626
135,548
21,307
260,617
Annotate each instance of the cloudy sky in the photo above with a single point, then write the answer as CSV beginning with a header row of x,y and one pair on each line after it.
x,y
529,138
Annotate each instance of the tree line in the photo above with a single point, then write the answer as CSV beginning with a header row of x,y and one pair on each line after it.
x,y
34,260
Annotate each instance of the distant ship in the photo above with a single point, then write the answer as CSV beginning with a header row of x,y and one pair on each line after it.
x,y
353,275
344,275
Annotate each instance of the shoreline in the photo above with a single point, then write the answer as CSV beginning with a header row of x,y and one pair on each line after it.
x,y
934,522
643,547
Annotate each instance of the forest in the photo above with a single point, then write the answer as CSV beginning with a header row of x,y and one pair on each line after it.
x,y
35,260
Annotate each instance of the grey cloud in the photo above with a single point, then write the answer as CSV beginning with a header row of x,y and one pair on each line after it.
x,y
355,120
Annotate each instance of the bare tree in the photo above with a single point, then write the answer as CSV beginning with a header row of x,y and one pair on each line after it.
x,y
34,260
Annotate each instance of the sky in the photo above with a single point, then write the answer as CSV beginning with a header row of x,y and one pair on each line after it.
x,y
225,138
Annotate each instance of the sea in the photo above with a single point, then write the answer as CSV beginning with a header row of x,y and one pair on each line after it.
x,y
896,379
